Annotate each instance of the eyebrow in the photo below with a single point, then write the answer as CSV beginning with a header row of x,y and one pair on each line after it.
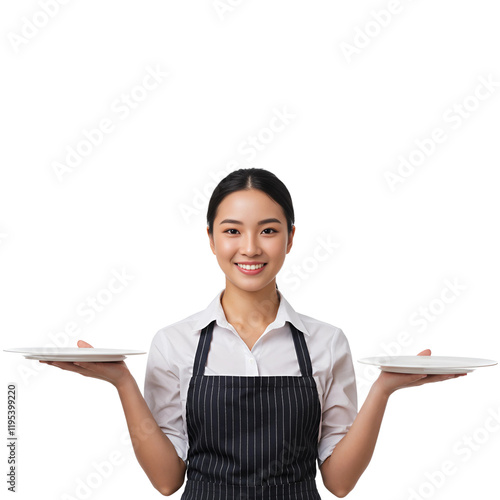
x,y
265,221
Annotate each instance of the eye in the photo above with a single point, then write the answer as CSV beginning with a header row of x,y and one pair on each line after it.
x,y
267,229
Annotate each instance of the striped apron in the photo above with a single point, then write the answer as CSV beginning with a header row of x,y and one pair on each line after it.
x,y
252,438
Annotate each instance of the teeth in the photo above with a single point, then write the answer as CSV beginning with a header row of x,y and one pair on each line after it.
x,y
249,268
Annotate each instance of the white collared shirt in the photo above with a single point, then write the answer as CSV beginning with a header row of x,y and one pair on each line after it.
x,y
171,358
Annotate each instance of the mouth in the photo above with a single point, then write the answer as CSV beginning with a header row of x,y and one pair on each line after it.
x,y
251,268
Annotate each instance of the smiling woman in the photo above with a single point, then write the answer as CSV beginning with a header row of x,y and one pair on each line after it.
x,y
270,391
248,395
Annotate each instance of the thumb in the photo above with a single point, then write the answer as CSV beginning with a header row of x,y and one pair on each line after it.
x,y
426,352
82,343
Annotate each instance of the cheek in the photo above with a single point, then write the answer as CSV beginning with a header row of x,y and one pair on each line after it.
x,y
276,249
225,248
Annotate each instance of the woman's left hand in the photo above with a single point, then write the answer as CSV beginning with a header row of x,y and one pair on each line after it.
x,y
389,382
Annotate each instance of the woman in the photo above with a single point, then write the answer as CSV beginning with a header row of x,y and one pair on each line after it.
x,y
247,394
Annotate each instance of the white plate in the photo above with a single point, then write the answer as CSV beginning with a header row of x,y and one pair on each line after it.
x,y
74,353
432,365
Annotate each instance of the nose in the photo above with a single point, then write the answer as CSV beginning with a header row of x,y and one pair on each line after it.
x,y
250,245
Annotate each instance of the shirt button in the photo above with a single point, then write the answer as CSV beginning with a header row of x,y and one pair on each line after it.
x,y
251,360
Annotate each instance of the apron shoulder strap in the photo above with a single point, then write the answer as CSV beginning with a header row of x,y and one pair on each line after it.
x,y
200,359
302,351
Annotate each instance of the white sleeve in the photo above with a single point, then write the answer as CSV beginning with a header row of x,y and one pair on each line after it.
x,y
162,394
340,400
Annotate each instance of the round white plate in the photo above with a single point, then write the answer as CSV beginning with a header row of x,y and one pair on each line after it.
x,y
74,353
432,365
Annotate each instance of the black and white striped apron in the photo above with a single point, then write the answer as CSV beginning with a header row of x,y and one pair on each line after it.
x,y
254,437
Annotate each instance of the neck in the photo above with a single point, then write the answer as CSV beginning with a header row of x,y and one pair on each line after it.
x,y
250,310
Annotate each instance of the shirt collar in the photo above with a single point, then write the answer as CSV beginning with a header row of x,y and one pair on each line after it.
x,y
215,311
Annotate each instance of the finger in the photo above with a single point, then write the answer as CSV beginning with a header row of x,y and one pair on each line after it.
x,y
92,366
410,378
74,367
426,352
82,343
439,378
66,365
418,380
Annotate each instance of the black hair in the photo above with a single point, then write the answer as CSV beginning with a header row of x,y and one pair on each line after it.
x,y
251,178
245,179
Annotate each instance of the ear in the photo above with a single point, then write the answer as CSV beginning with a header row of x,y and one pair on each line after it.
x,y
290,240
212,244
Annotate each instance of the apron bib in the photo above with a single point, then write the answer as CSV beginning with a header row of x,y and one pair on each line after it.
x,y
252,438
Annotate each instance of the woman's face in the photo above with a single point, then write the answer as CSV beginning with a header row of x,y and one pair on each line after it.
x,y
239,238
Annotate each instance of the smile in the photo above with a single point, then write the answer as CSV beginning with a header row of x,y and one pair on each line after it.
x,y
250,269
256,266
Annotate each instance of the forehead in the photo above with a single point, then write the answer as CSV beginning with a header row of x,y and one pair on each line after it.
x,y
250,204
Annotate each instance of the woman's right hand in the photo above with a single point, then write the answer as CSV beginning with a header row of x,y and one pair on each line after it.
x,y
114,372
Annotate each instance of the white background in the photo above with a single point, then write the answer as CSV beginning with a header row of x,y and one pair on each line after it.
x,y
137,202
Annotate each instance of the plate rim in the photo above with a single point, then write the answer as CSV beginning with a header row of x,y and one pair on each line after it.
x,y
95,359
388,364
40,351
